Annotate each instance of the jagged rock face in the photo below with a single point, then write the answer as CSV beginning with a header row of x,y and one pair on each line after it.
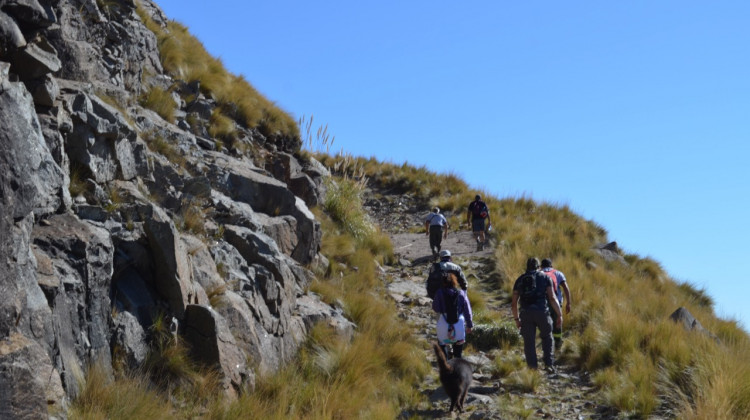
x,y
162,224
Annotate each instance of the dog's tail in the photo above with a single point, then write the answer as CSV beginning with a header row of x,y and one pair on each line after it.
x,y
442,362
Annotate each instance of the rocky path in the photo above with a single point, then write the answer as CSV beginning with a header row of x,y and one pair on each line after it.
x,y
566,394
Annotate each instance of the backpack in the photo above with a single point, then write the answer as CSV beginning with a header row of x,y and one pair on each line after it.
x,y
451,307
434,280
527,290
551,274
479,209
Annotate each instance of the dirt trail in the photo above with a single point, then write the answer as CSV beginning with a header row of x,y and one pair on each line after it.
x,y
562,395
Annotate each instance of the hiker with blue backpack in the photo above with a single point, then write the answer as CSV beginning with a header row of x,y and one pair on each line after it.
x,y
477,213
436,226
455,319
533,290
560,285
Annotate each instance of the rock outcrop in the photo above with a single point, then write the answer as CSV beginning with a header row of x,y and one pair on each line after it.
x,y
112,217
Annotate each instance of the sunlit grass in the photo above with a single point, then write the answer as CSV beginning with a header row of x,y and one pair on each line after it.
x,y
159,101
184,57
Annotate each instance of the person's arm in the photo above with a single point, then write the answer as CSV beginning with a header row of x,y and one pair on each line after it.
x,y
467,314
514,308
566,292
447,226
468,218
555,305
427,227
462,279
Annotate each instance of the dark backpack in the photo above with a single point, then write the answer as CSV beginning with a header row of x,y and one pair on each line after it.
x,y
527,292
434,280
451,307
479,210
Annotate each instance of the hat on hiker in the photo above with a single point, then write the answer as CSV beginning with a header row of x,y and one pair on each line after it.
x,y
546,263
435,209
532,264
445,254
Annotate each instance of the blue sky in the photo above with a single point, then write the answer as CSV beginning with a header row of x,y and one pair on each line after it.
x,y
635,114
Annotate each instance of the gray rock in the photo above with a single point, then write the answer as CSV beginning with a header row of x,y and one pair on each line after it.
x,y
32,173
130,339
75,269
44,90
172,279
270,196
11,37
30,13
212,343
35,60
30,386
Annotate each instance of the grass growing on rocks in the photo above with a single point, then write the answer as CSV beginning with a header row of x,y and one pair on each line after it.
x,y
184,57
370,376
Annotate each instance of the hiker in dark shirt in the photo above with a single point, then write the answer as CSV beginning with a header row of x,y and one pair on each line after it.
x,y
533,290
436,225
476,215
451,298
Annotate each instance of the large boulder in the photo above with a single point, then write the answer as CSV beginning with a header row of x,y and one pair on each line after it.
x,y
30,386
34,180
172,276
212,343
75,270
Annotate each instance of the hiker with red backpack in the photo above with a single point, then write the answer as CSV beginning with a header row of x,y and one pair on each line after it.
x,y
455,319
560,285
436,226
533,290
476,215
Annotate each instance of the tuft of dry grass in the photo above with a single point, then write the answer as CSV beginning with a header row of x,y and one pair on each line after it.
x,y
159,101
129,398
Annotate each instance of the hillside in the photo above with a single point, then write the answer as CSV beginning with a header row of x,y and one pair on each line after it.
x,y
170,250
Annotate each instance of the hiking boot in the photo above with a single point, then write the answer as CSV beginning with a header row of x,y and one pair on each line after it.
x,y
550,369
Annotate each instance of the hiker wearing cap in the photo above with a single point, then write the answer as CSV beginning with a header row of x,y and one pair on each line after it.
x,y
560,285
475,217
533,290
436,226
447,265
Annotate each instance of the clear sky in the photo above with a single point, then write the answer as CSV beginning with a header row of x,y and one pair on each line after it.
x,y
636,114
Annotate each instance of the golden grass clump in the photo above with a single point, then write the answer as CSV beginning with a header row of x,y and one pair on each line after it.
x,y
159,101
128,398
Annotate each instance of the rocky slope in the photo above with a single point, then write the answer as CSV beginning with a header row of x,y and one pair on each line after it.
x,y
216,242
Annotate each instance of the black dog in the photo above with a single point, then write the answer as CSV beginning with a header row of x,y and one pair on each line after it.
x,y
455,375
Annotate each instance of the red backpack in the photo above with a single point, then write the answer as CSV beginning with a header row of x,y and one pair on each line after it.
x,y
551,274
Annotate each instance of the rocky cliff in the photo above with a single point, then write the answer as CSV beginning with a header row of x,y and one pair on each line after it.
x,y
112,217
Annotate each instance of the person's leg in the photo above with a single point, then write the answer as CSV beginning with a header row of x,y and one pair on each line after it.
x,y
557,336
528,332
545,329
458,349
435,240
